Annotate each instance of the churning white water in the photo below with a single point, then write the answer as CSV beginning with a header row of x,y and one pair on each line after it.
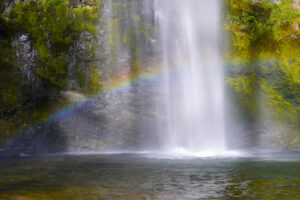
x,y
189,35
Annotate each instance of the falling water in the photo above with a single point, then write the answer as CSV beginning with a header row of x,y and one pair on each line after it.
x,y
181,109
189,34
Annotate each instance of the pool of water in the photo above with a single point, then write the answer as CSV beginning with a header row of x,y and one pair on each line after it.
x,y
263,175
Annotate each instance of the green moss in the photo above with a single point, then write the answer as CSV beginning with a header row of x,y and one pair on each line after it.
x,y
53,26
89,83
266,43
9,79
93,51
41,115
87,44
127,32
93,83
113,39
81,78
55,72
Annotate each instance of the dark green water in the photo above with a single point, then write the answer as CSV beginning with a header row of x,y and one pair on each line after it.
x,y
151,176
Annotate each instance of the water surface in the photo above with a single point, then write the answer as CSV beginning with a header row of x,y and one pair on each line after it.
x,y
151,176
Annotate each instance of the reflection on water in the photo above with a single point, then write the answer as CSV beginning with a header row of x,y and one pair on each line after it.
x,y
142,176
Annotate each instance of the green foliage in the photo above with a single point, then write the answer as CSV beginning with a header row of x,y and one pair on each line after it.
x,y
55,71
93,82
259,28
265,41
89,80
53,26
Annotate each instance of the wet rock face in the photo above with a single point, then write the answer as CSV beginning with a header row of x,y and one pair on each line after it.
x,y
82,47
27,56
81,59
33,90
87,57
7,5
74,3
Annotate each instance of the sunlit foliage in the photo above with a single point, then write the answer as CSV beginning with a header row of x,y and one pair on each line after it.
x,y
265,73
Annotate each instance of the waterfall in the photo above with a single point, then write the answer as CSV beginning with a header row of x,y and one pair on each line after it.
x,y
166,88
189,34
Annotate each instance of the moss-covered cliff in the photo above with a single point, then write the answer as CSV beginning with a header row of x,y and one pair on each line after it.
x,y
47,47
264,67
55,51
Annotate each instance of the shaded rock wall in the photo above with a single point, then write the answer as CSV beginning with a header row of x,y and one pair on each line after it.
x,y
38,56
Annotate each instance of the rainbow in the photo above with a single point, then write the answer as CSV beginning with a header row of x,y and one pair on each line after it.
x,y
151,73
113,85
